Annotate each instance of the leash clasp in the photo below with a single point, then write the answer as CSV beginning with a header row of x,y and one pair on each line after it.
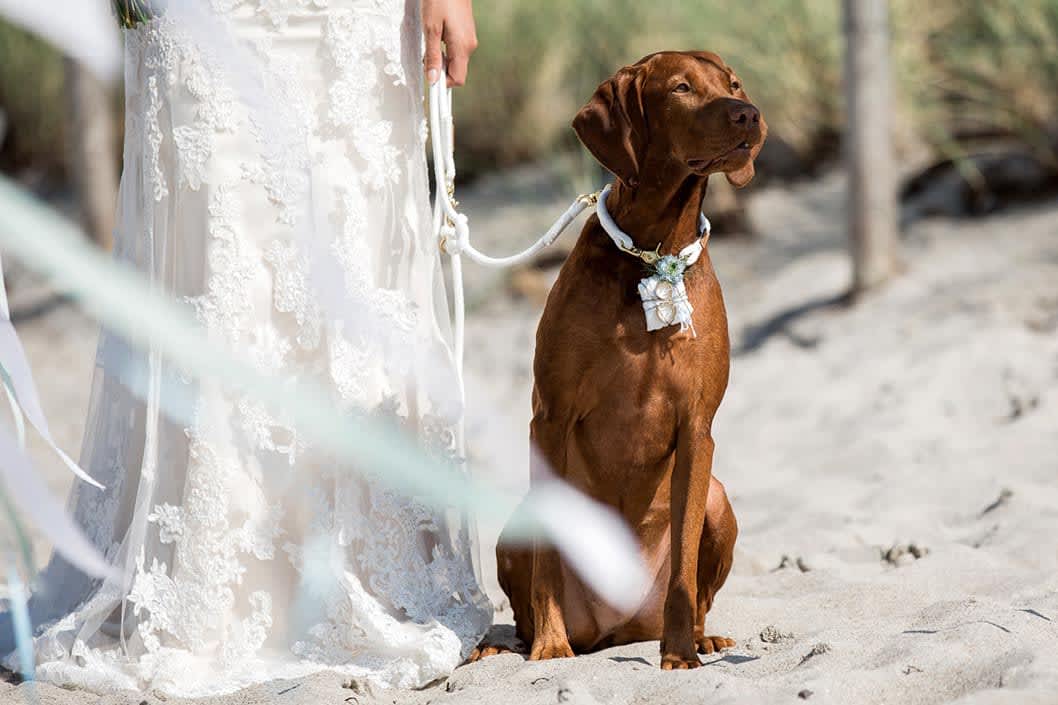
x,y
589,199
448,228
650,257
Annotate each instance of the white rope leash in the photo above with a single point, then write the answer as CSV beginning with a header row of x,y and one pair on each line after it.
x,y
451,226
21,392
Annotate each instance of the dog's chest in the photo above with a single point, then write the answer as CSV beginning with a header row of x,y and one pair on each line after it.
x,y
632,435
639,396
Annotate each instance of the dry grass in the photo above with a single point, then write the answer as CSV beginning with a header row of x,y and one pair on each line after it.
x,y
995,74
963,69
540,61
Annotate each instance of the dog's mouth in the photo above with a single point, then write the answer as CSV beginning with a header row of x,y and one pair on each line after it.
x,y
735,154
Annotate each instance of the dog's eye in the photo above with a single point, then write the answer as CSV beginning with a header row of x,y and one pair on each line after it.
x,y
682,88
735,86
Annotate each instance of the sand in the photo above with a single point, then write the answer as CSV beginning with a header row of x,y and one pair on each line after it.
x,y
893,467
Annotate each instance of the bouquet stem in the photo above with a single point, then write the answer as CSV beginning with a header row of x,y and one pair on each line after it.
x,y
132,12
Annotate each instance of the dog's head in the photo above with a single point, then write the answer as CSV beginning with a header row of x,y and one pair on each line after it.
x,y
684,112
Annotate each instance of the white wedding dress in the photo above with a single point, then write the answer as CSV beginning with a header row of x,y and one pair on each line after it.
x,y
247,553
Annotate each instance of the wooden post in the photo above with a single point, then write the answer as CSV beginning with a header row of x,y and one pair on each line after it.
x,y
92,159
872,203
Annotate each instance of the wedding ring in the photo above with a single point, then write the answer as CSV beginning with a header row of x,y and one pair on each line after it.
x,y
666,311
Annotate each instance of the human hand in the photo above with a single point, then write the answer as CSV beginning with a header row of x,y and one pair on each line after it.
x,y
451,22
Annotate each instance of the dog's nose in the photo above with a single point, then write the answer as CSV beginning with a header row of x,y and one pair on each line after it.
x,y
744,115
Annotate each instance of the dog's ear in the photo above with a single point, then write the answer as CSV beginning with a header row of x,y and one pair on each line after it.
x,y
613,125
741,177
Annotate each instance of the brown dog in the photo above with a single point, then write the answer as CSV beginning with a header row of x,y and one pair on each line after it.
x,y
623,414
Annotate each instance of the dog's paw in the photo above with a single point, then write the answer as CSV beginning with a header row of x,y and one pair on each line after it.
x,y
485,649
713,644
676,662
549,649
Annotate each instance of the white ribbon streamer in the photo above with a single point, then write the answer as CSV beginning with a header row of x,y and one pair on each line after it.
x,y
18,379
30,493
17,598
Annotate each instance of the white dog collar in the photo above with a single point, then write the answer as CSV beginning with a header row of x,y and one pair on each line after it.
x,y
664,294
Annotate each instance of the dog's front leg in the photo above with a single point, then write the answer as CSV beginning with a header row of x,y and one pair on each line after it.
x,y
690,489
550,639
